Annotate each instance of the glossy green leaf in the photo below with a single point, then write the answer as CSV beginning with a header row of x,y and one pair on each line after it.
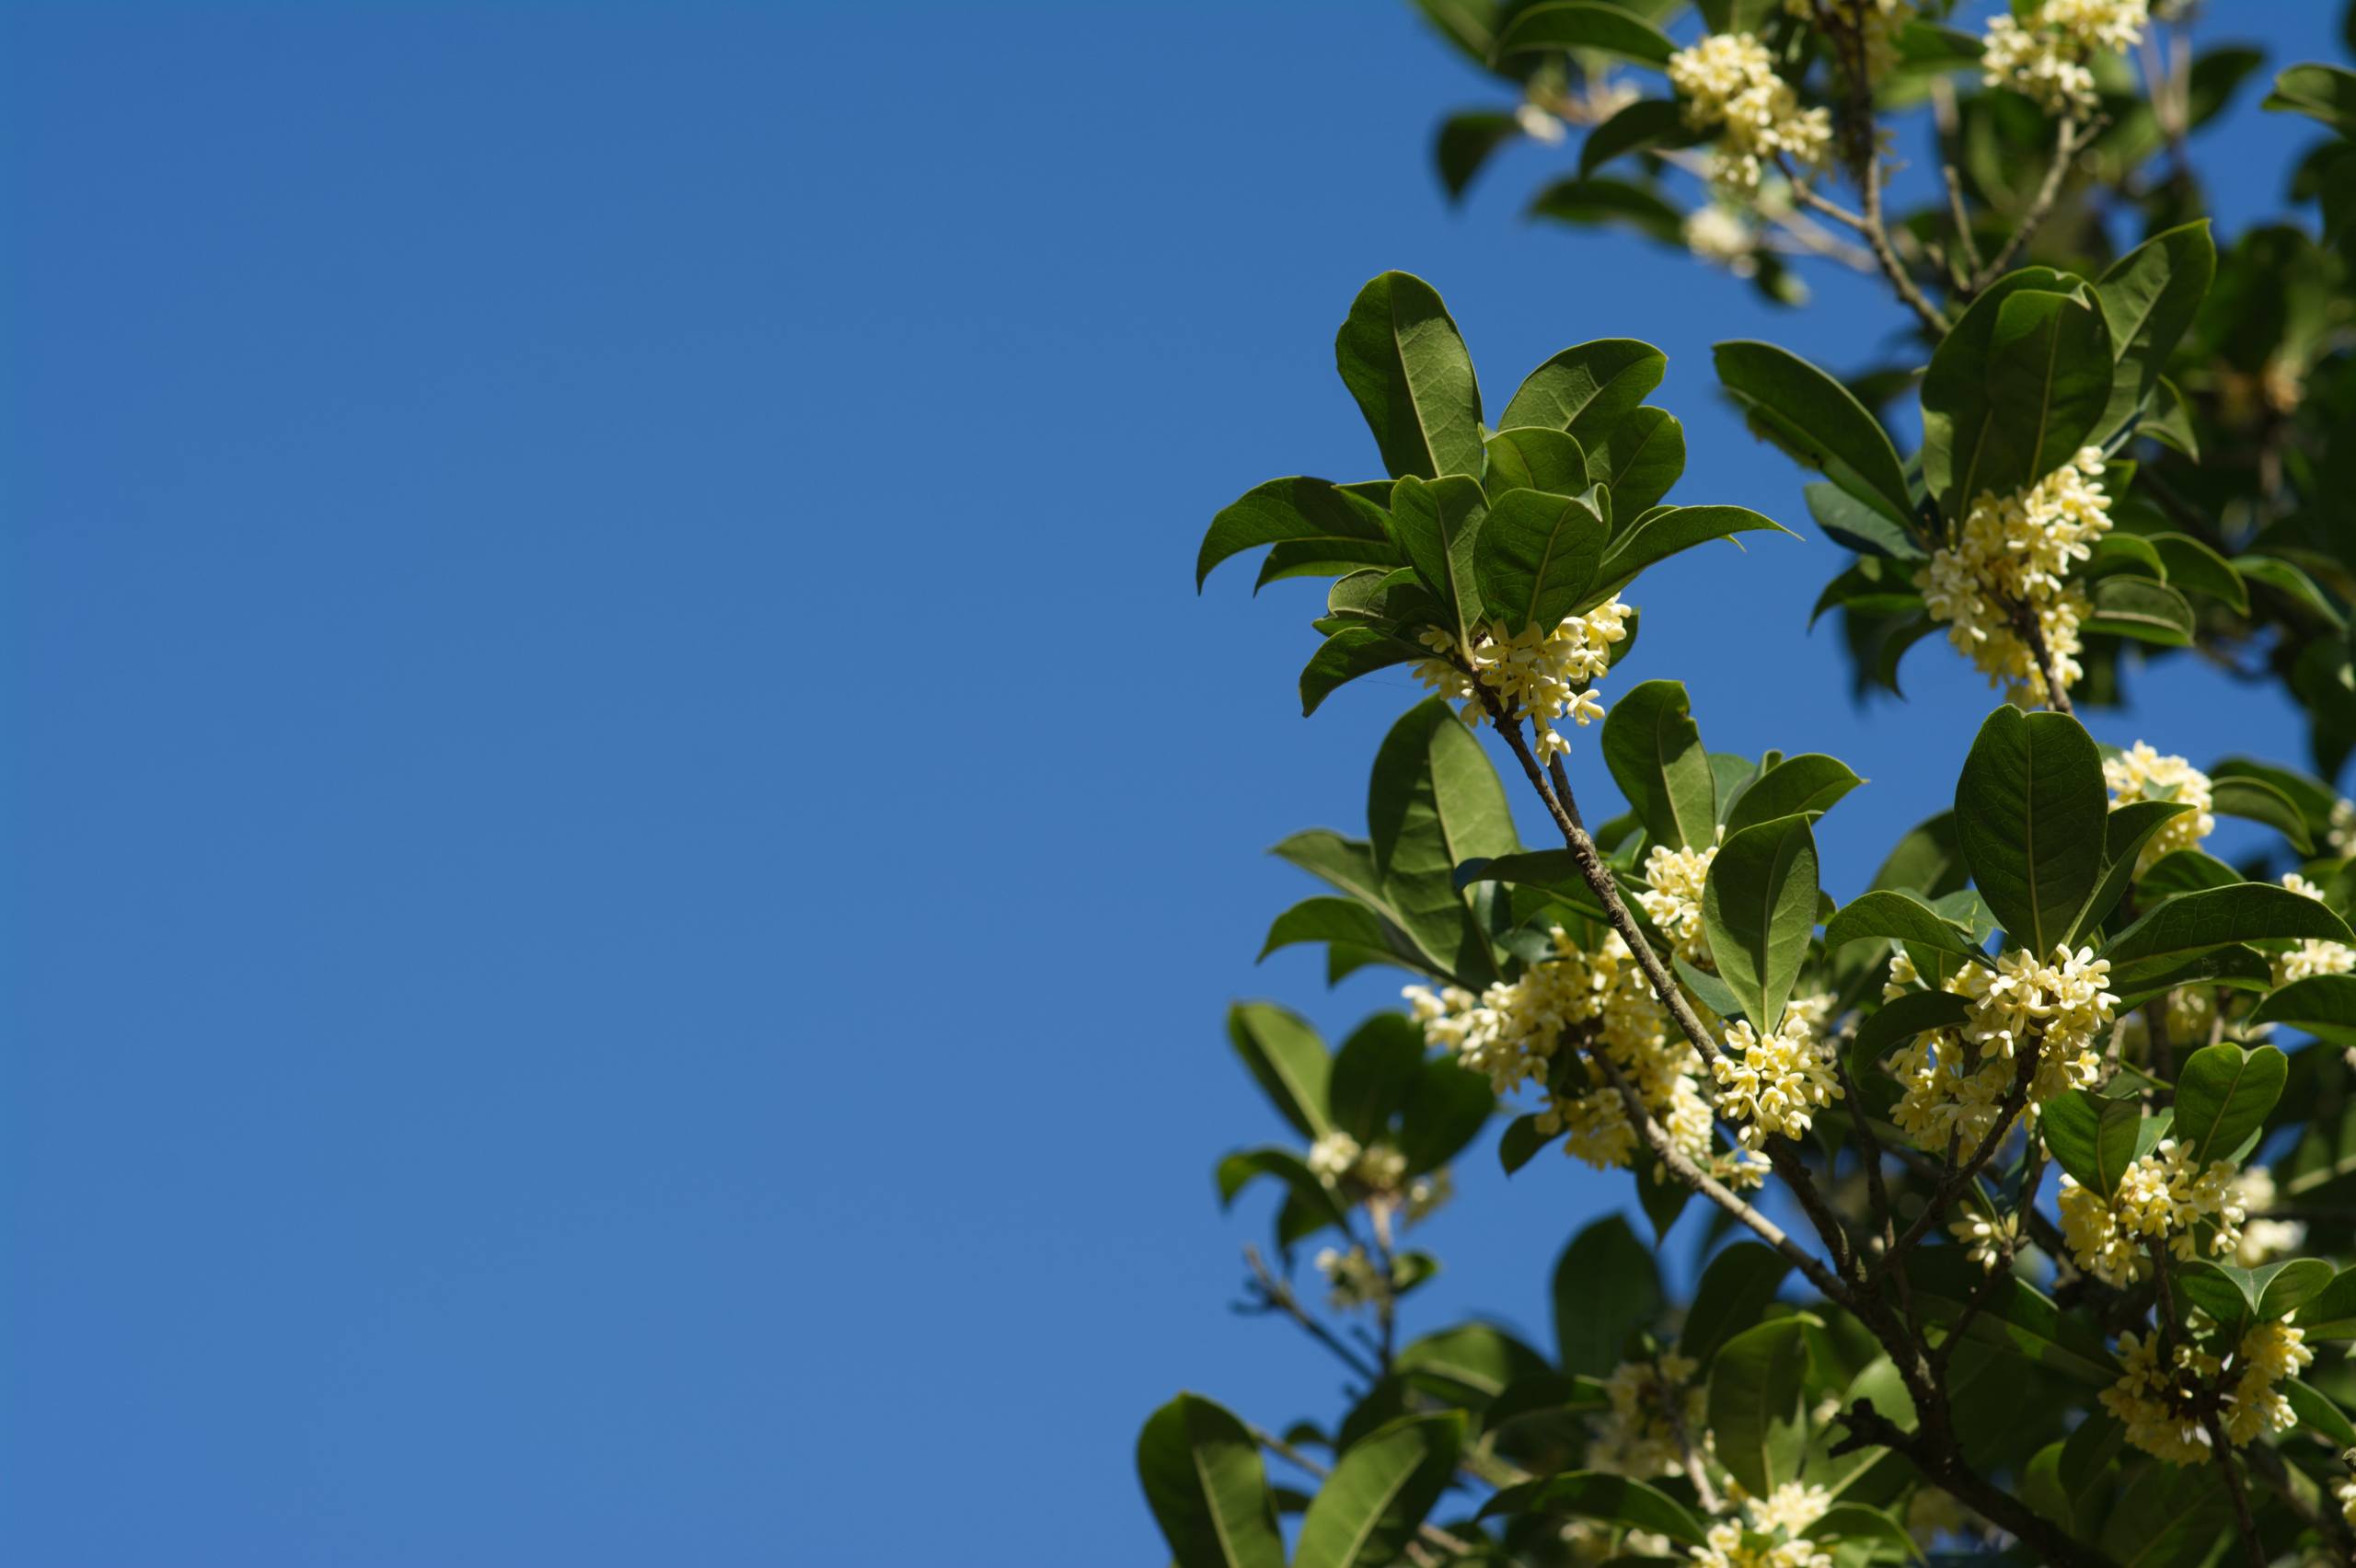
x,y
1888,914
1733,1292
2321,1005
1654,750
1810,782
1662,532
2148,297
1638,459
1585,389
1464,145
1756,1408
1350,924
2029,813
1758,909
1468,1365
2091,1137
1817,421
2331,1313
1207,1487
1538,459
1584,24
1902,1018
1851,523
1446,1110
1438,524
1606,1288
1366,1511
2128,829
1644,122
1287,1059
2289,580
2286,1288
2319,1413
1597,1494
1376,1072
1521,1142
2254,800
1402,358
2142,609
2322,92
2244,912
1309,511
2015,1319
1350,652
2169,1516
1535,555
2014,389
2184,871
1928,860
2193,567
1434,800
1239,1170
2222,1095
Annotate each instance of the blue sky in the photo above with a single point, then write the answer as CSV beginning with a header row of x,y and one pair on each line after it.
x,y
628,836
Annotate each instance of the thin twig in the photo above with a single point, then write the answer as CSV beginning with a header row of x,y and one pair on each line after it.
x,y
1966,246
2068,142
2032,631
2243,1523
1275,1295
1945,1464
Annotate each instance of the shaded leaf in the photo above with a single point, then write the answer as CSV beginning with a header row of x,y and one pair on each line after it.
x,y
1287,1059
2222,1095
2030,812
1208,1490
1817,421
1381,1489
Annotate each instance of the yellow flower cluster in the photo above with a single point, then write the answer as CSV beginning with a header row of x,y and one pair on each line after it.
x,y
1537,670
1657,1409
1956,1080
2019,550
1775,1085
1716,232
2313,956
2159,1405
1729,85
1512,1031
2345,1491
2139,773
1352,1277
2160,1198
1986,1240
2045,55
1789,1509
1672,897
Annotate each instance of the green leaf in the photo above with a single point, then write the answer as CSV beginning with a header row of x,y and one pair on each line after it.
x,y
2167,420
1380,1490
2030,812
2285,1288
2193,565
2319,1411
2222,1095
1654,750
1521,1142
1610,201
2245,911
1465,143
2322,92
2092,1139
1810,782
1350,652
1638,459
1309,511
2321,1005
2129,828
2142,609
1468,1365
1400,356
1438,526
2254,800
2169,1516
1287,1059
1350,924
2285,578
1928,860
2148,297
1531,458
2185,870
1582,24
1597,1494
1645,122
2014,389
1238,1170
1447,1111
1756,1408
1435,800
1890,913
1663,531
1866,529
1585,389
1854,1523
1606,1288
1732,1294
1902,1018
1207,1487
1817,421
2332,1313
2015,1318
1535,555
1376,1072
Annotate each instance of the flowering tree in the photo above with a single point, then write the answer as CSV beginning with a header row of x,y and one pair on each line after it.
x,y
1906,1337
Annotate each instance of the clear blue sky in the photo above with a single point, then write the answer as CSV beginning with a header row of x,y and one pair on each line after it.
x,y
626,837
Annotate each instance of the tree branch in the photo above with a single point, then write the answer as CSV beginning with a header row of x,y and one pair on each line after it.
x,y
2243,1525
1277,1296
2068,142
